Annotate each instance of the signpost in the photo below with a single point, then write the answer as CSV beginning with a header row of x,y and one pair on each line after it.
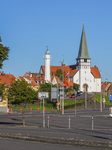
x,y
43,95
110,98
75,102
104,102
58,92
58,103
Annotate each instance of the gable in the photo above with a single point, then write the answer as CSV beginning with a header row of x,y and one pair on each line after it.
x,y
95,72
42,69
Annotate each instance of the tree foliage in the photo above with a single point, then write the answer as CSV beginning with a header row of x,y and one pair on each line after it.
x,y
76,86
4,53
60,73
2,90
46,87
21,92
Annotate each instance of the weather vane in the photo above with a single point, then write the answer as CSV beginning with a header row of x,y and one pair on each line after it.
x,y
47,47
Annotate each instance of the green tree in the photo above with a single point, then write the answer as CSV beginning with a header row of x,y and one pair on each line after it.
x,y
46,87
76,86
60,73
4,53
2,90
21,93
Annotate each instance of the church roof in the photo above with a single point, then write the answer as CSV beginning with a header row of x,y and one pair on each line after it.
x,y
95,72
53,69
83,50
72,70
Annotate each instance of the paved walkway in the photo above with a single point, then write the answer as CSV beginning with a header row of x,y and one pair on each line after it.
x,y
83,130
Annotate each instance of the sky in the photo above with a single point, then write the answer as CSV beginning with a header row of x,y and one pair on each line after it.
x,y
28,26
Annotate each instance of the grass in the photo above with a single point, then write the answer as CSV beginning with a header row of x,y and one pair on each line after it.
x,y
48,105
97,99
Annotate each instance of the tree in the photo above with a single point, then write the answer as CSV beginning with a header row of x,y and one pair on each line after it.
x,y
76,86
59,73
2,90
21,93
46,87
4,53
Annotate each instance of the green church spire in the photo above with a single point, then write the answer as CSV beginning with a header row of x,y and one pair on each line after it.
x,y
83,50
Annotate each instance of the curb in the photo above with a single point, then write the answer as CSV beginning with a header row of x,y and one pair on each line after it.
x,y
54,140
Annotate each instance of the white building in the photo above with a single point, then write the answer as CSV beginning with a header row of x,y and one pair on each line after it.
x,y
82,73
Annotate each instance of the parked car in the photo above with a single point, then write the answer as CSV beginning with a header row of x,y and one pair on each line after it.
x,y
79,93
72,96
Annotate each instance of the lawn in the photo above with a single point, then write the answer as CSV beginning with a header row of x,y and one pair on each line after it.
x,y
97,98
49,106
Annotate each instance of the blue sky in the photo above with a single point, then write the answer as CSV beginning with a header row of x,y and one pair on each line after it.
x,y
28,26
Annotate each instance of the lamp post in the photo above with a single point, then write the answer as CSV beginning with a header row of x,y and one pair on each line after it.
x,y
101,94
63,87
75,102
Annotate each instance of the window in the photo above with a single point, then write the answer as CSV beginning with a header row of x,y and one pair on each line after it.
x,y
85,60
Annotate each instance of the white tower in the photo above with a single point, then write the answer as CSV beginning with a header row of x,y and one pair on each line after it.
x,y
47,59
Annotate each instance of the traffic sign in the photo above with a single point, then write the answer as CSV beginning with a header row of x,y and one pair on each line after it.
x,y
103,100
58,103
110,98
43,94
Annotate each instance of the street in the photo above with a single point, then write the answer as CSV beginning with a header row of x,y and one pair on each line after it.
x,y
11,144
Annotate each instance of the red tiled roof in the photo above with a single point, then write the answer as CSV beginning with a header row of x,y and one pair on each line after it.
x,y
68,82
105,85
95,72
71,69
33,83
110,87
7,79
19,77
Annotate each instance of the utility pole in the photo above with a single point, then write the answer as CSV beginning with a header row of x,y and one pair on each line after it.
x,y
85,99
101,94
63,86
63,93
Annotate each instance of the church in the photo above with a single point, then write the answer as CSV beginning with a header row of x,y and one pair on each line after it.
x,y
82,73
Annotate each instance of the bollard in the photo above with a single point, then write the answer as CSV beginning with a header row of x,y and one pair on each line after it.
x,y
52,109
92,123
48,121
30,109
45,109
11,111
38,109
21,109
60,108
69,122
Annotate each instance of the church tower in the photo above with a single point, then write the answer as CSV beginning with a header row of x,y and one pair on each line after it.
x,y
83,63
47,59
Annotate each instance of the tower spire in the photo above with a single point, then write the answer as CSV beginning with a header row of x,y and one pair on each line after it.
x,y
83,50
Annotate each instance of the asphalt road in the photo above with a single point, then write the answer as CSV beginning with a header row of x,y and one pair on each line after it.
x,y
81,97
9,144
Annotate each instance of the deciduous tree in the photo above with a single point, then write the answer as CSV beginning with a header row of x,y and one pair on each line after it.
x,y
21,93
4,53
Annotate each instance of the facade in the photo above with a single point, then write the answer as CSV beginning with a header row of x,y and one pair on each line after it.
x,y
82,73
7,80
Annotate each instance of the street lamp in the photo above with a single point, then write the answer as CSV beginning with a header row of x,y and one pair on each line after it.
x,y
63,88
101,93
